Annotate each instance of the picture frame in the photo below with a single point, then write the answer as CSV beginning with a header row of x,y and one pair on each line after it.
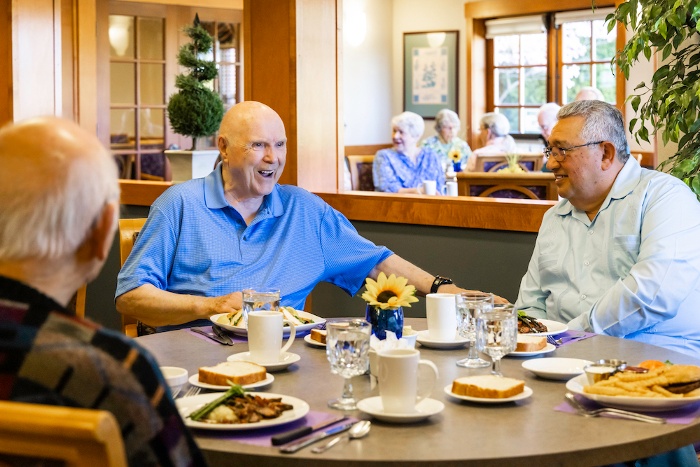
x,y
430,64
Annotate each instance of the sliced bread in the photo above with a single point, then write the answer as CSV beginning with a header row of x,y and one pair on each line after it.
x,y
319,335
237,372
528,343
487,386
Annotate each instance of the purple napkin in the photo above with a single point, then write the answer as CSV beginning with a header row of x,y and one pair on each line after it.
x,y
681,416
573,336
262,436
234,338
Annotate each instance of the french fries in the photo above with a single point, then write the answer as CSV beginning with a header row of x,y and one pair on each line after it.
x,y
650,384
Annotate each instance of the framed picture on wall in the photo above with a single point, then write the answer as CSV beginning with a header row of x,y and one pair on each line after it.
x,y
430,71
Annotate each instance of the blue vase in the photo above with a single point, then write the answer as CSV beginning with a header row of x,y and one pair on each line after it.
x,y
382,321
457,166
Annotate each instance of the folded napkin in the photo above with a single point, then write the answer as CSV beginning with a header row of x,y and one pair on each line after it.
x,y
573,336
681,416
261,437
234,338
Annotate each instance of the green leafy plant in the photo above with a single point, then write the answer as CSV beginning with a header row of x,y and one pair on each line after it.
x,y
195,110
672,98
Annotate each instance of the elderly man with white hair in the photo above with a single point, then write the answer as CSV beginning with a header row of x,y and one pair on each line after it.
x,y
404,168
59,200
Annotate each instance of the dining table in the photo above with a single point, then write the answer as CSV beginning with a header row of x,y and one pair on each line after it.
x,y
535,431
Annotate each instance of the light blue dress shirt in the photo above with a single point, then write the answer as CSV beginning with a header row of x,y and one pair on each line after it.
x,y
195,243
393,170
633,271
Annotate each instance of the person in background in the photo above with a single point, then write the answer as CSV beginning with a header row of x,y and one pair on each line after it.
x,y
59,203
447,144
494,138
619,254
207,239
589,93
403,168
546,118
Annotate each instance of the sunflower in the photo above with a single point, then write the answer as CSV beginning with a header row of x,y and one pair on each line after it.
x,y
391,292
455,155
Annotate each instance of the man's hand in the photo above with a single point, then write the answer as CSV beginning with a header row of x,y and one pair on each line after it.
x,y
230,303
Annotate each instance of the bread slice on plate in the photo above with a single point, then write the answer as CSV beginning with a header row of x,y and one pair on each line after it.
x,y
487,386
237,372
319,335
528,343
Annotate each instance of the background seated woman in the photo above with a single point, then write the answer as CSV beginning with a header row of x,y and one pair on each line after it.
x,y
403,168
446,142
495,138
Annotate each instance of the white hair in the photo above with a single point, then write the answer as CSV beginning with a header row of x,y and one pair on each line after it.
x,y
409,122
50,217
496,122
447,116
589,93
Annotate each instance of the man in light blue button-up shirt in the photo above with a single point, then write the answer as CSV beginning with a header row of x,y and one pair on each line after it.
x,y
207,239
620,254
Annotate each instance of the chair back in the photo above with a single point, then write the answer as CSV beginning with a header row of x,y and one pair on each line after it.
x,y
361,171
528,162
128,231
73,437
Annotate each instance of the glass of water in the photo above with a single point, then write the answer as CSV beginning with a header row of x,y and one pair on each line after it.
x,y
497,334
469,306
347,348
259,300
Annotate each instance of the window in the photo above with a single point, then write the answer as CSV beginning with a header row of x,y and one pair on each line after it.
x,y
226,54
576,48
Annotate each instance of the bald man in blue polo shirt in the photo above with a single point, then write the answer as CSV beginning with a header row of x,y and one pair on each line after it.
x,y
207,239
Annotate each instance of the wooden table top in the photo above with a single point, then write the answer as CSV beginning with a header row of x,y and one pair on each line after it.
x,y
525,433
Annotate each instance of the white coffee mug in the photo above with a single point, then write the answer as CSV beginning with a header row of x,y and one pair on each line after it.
x,y
399,378
441,311
451,189
429,187
265,336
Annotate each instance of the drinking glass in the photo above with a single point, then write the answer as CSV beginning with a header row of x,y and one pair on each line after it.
x,y
469,306
259,300
347,348
496,334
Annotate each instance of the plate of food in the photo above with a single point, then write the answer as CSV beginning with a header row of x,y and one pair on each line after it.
x,y
530,345
488,389
556,368
216,411
302,320
316,338
194,381
541,327
664,388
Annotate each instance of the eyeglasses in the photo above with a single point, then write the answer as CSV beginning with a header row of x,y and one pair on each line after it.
x,y
559,154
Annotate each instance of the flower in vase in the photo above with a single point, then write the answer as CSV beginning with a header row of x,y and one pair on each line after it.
x,y
389,292
455,155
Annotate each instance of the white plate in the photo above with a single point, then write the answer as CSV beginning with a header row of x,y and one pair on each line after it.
x,y
425,408
425,340
641,404
285,360
194,381
548,348
187,405
553,328
527,392
556,368
310,341
242,331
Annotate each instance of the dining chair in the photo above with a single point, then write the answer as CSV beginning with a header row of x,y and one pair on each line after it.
x,y
361,171
37,434
128,231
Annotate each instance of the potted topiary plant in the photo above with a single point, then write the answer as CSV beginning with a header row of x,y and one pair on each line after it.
x,y
672,97
195,110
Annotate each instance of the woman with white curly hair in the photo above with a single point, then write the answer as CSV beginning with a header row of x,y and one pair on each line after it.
x,y
453,152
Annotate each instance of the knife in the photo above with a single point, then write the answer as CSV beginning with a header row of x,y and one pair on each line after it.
x,y
303,442
225,339
210,336
286,437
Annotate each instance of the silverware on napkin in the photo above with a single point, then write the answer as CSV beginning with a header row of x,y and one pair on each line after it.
x,y
610,411
214,337
297,433
303,442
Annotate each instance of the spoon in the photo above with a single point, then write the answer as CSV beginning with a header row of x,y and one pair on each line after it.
x,y
358,430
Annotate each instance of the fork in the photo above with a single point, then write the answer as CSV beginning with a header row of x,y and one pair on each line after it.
x,y
553,341
192,391
608,410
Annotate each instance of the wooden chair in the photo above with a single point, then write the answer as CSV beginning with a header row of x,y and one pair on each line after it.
x,y
128,231
528,185
67,436
528,162
361,172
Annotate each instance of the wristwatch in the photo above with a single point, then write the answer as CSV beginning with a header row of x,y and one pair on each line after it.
x,y
439,280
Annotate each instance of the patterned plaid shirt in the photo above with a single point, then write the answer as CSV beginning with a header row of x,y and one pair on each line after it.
x,y
49,357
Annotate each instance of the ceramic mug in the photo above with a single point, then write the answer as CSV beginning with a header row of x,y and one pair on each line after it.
x,y
429,187
451,189
265,336
399,378
441,311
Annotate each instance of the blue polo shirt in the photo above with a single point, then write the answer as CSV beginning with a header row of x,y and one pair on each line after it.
x,y
195,243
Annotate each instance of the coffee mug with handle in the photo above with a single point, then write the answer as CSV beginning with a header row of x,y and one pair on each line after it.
x,y
399,379
265,330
